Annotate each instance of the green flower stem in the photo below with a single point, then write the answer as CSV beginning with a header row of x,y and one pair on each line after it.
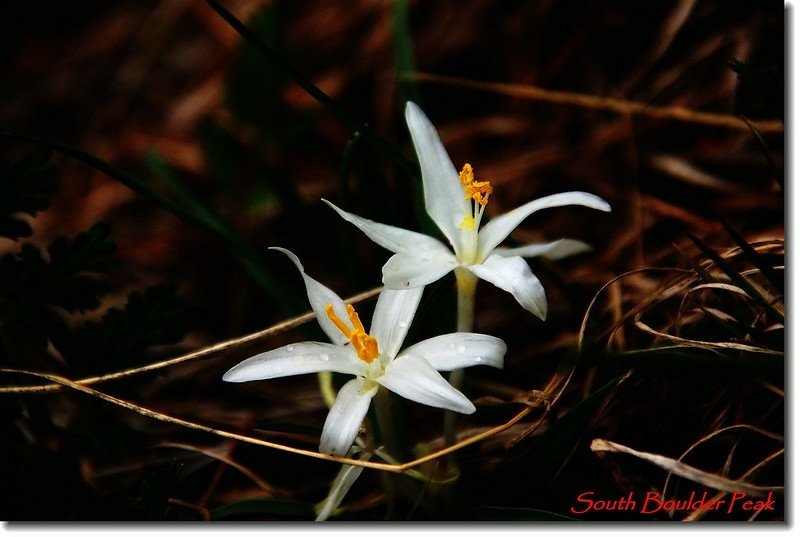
x,y
326,387
383,412
466,282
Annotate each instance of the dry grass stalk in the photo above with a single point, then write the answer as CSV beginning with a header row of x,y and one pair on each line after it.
x,y
684,470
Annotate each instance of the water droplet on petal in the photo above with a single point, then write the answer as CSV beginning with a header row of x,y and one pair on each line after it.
x,y
324,357
478,359
403,324
461,349
290,348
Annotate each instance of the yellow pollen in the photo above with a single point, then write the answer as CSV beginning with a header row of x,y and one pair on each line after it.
x,y
467,223
366,346
476,190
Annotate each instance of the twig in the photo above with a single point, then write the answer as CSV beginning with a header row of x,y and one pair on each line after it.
x,y
622,106
194,355
396,468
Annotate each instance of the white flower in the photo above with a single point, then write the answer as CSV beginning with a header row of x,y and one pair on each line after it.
x,y
374,359
456,201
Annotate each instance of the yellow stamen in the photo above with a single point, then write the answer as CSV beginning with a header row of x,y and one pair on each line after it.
x,y
354,320
476,190
337,321
366,346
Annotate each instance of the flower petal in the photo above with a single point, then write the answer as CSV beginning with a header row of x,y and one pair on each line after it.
x,y
501,226
459,350
444,195
394,239
551,250
393,315
319,297
344,481
345,417
414,378
406,270
513,274
295,359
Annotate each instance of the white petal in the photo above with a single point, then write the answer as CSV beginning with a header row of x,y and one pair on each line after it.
x,y
551,250
319,297
414,378
393,315
406,270
513,274
295,359
459,350
345,479
345,417
501,226
444,195
394,239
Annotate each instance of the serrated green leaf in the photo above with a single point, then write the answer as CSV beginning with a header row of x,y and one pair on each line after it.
x,y
25,189
123,337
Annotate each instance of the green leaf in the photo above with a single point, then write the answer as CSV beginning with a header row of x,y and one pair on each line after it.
x,y
695,361
752,75
69,278
404,51
739,280
732,306
123,337
545,456
775,170
267,51
250,509
772,276
25,188
247,256
151,503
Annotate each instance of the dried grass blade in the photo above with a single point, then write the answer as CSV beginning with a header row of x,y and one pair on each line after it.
x,y
711,345
534,93
194,355
684,470
396,468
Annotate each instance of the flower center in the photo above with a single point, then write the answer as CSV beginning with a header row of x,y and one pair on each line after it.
x,y
366,346
478,191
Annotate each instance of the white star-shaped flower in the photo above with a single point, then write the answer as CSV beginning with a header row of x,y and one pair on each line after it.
x,y
374,358
456,202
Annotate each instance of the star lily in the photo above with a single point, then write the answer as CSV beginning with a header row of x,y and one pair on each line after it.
x,y
374,358
456,202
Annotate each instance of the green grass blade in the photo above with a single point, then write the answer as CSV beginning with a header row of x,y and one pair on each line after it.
x,y
734,307
247,509
777,174
518,514
739,280
772,276
404,52
309,87
126,179
546,455
245,254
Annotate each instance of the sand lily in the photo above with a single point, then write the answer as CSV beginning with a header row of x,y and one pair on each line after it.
x,y
456,202
374,358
